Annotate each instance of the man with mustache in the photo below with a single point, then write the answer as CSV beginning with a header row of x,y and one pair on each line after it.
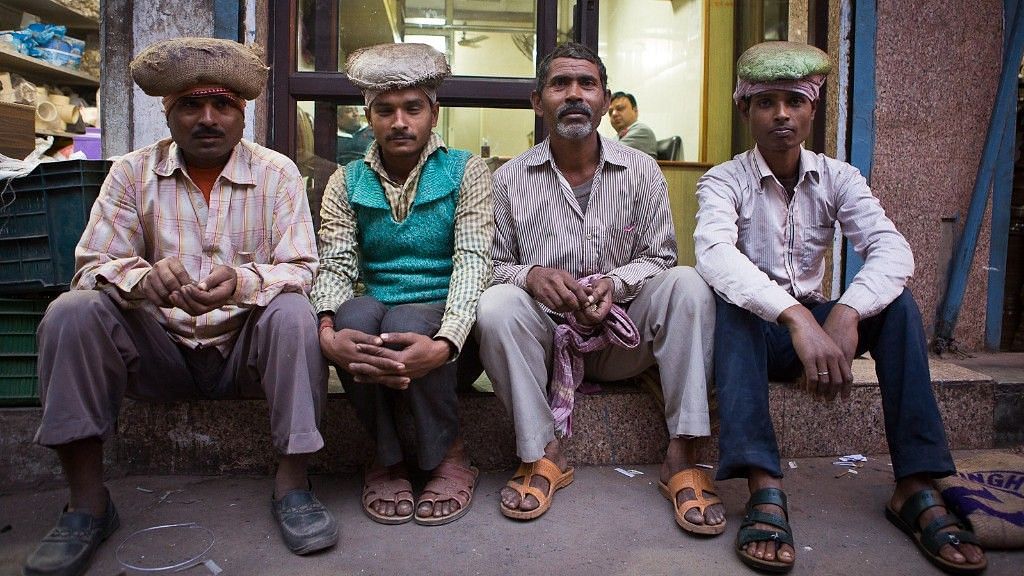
x,y
765,221
623,115
191,283
406,239
583,224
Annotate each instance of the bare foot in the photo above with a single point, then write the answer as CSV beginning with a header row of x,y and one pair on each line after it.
x,y
681,454
510,498
962,553
768,549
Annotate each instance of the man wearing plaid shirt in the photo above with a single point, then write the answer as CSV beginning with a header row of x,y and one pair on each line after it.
x,y
191,282
410,226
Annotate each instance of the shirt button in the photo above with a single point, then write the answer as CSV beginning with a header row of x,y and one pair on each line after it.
x,y
589,236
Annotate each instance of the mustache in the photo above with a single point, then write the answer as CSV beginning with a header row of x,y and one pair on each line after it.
x,y
400,136
206,131
575,108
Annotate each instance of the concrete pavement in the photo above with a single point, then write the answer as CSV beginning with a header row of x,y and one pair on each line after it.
x,y
604,523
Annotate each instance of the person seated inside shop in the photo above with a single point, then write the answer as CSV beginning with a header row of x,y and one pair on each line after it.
x,y
354,137
623,114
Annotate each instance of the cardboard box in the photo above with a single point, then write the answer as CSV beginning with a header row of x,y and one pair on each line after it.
x,y
17,130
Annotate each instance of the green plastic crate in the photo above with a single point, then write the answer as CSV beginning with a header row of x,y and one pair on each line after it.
x,y
19,319
42,217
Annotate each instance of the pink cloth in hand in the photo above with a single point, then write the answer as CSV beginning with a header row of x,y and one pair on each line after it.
x,y
572,341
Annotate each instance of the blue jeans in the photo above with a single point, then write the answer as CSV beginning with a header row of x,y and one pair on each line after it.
x,y
749,351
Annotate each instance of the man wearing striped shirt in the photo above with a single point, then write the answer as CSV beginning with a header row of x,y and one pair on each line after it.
x,y
410,225
191,282
577,206
764,223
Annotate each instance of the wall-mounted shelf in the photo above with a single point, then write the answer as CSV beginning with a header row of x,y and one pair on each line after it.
x,y
52,12
37,70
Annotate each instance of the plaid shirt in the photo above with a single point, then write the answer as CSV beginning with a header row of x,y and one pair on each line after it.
x,y
474,232
149,209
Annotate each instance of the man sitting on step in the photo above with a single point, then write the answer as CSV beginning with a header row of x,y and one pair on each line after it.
x,y
192,280
765,221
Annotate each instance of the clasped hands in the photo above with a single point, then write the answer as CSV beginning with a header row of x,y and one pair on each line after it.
x,y
825,351
168,285
562,293
392,359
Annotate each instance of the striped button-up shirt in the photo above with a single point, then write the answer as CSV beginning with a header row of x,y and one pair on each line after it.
x,y
764,252
474,229
149,209
625,234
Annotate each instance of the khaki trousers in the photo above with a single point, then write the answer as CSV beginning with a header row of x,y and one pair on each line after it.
x,y
92,353
675,315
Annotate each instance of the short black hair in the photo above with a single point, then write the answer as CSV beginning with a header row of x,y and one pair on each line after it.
x,y
625,95
570,50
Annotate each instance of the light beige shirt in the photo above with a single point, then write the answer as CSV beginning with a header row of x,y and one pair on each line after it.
x,y
149,209
626,233
764,252
474,231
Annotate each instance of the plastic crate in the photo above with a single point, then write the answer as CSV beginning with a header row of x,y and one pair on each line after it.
x,y
19,319
42,217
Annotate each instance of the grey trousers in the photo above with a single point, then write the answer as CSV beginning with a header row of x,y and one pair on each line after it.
x,y
432,399
92,353
675,315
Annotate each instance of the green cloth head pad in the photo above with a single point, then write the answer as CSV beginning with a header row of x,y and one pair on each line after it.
x,y
772,61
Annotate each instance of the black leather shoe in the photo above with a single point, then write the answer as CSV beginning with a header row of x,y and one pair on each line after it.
x,y
306,525
68,548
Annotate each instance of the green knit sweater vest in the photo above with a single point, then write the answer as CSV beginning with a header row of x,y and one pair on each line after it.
x,y
409,261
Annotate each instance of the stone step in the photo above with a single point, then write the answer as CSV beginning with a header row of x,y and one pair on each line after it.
x,y
623,424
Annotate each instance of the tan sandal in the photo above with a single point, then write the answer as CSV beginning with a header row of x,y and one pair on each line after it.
x,y
378,486
546,469
698,481
451,481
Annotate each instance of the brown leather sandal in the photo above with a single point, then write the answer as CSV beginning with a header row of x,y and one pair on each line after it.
x,y
450,481
698,481
546,469
378,486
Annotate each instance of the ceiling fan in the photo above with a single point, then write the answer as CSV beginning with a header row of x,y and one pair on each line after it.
x,y
471,42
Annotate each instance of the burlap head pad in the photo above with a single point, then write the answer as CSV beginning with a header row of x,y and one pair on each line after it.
x,y
397,66
172,66
771,61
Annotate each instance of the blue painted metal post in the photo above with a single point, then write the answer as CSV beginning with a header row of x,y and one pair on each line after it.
x,y
964,255
1002,189
226,20
862,145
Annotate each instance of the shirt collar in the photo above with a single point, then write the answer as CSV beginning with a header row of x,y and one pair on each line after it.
x,y
238,170
541,154
809,164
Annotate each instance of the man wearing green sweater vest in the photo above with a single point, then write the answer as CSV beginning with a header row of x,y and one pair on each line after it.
x,y
405,245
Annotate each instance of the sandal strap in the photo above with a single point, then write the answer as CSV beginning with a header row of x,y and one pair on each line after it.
x,y
918,503
451,481
377,485
748,535
697,480
933,539
770,496
758,517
